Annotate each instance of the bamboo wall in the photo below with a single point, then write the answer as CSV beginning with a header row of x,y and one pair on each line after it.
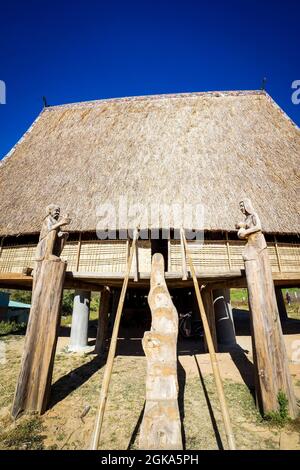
x,y
97,256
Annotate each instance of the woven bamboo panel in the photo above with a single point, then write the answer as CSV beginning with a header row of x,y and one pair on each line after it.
x,y
236,249
289,255
144,257
207,257
14,259
69,254
103,256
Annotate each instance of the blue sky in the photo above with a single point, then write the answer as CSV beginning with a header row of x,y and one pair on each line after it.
x,y
83,50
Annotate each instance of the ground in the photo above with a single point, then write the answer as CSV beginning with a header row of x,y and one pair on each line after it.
x,y
68,423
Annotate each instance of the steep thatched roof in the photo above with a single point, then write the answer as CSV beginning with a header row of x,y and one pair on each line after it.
x,y
212,148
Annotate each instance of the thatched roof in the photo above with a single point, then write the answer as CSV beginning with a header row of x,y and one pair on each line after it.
x,y
213,148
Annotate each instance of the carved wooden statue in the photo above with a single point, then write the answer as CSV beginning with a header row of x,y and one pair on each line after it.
x,y
269,353
52,239
161,425
34,383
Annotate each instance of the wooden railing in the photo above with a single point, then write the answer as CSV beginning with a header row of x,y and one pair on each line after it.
x,y
95,256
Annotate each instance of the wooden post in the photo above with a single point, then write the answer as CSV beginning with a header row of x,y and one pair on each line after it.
x,y
78,253
183,260
212,354
271,362
208,303
228,252
102,321
33,387
280,304
277,254
112,351
161,426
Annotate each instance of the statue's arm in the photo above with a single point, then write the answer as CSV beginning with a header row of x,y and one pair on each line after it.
x,y
255,227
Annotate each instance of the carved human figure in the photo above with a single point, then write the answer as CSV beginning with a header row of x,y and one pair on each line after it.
x,y
52,238
269,354
250,230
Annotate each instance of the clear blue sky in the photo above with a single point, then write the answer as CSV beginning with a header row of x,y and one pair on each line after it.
x,y
83,50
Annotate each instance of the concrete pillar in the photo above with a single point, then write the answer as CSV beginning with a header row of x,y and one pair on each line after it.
x,y
280,304
224,318
80,321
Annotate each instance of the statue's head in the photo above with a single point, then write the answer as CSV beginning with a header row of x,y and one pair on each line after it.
x,y
246,206
53,210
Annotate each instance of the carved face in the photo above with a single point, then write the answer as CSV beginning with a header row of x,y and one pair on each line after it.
x,y
54,211
242,207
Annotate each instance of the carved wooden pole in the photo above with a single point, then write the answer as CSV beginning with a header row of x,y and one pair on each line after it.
x,y
161,426
270,358
34,383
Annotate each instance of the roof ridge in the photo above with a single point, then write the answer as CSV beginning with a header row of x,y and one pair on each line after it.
x,y
158,97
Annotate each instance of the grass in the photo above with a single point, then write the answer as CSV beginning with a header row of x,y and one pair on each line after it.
x,y
26,435
279,417
7,328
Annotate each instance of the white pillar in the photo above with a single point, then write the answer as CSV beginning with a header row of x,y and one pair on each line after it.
x,y
80,321
224,318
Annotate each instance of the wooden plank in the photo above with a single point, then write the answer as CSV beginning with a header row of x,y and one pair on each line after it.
x,y
112,351
212,354
34,382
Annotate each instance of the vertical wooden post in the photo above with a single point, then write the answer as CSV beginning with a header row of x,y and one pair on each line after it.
x,y
277,254
78,253
183,260
280,304
33,387
208,303
228,251
102,321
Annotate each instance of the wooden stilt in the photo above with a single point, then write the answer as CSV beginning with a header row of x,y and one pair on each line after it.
x,y
211,349
102,320
112,351
33,387
208,303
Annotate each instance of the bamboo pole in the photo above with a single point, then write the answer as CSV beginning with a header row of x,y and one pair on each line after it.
x,y
212,353
111,353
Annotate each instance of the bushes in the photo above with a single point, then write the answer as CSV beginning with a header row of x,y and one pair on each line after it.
x,y
8,328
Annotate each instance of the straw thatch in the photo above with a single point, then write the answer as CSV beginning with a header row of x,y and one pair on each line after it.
x,y
210,148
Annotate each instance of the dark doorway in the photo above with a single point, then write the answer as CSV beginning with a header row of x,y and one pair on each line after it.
x,y
160,246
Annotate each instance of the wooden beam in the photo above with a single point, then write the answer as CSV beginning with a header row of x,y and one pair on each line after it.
x,y
112,351
102,321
